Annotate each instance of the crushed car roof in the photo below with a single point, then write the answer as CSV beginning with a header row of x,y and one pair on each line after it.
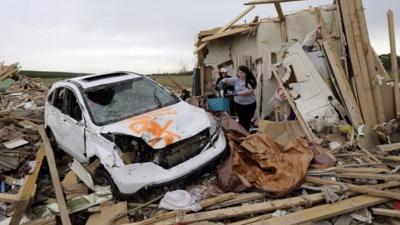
x,y
100,79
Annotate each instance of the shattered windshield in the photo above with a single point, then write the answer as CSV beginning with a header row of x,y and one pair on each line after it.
x,y
117,101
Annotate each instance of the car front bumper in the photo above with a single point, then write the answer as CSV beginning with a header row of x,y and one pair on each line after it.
x,y
133,177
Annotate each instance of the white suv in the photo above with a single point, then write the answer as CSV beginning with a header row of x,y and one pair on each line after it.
x,y
142,133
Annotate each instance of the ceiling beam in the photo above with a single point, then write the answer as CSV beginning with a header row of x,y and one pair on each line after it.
x,y
258,2
226,27
226,33
277,4
278,8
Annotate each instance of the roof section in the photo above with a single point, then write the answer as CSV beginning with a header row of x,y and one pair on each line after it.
x,y
100,79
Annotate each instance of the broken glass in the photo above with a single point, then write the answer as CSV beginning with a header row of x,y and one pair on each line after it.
x,y
117,101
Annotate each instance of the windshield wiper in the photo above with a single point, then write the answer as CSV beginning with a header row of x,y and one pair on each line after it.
x,y
158,102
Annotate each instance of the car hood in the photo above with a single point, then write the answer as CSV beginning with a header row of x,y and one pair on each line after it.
x,y
164,126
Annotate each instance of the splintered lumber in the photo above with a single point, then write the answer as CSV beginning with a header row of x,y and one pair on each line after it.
x,y
378,103
356,188
55,179
386,212
324,211
279,10
145,204
246,210
268,2
388,147
247,10
358,62
252,220
303,124
8,71
202,66
391,158
368,110
379,66
50,220
361,170
371,176
204,204
240,198
395,69
108,214
226,33
28,188
340,74
5,197
370,155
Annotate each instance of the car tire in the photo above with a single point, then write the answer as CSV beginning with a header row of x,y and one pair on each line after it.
x,y
102,177
58,152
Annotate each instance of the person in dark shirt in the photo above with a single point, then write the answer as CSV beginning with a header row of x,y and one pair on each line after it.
x,y
223,73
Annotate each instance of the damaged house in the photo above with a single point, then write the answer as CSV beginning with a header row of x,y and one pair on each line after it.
x,y
321,57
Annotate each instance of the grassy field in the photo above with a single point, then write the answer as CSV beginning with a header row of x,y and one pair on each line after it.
x,y
167,80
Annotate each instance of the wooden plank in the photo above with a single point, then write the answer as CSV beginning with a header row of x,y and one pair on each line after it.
x,y
303,124
371,176
108,214
5,197
55,179
340,74
70,179
240,198
165,217
144,204
378,103
361,170
28,188
353,54
386,212
379,66
358,62
391,158
252,220
355,188
8,71
395,69
200,58
226,33
258,2
388,147
50,220
324,211
371,156
226,27
279,10
9,180
246,210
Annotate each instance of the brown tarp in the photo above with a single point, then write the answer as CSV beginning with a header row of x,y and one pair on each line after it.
x,y
259,161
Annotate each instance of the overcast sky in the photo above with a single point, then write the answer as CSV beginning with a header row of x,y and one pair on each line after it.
x,y
146,36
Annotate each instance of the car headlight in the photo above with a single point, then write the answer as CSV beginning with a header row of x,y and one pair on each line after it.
x,y
215,123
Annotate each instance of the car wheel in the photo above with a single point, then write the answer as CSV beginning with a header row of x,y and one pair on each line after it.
x,y
103,178
54,145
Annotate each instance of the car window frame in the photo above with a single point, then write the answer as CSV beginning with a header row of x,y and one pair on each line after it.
x,y
56,92
67,108
89,112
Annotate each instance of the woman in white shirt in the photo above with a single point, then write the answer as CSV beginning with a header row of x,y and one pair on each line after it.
x,y
245,99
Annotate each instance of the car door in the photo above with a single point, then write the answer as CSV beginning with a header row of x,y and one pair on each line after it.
x,y
54,115
73,126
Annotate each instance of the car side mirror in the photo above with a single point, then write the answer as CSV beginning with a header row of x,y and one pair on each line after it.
x,y
80,123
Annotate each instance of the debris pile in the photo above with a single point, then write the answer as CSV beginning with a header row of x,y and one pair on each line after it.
x,y
325,153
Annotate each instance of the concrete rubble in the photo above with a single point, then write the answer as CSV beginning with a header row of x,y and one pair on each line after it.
x,y
328,153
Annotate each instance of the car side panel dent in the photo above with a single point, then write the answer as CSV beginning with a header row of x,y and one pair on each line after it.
x,y
105,150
